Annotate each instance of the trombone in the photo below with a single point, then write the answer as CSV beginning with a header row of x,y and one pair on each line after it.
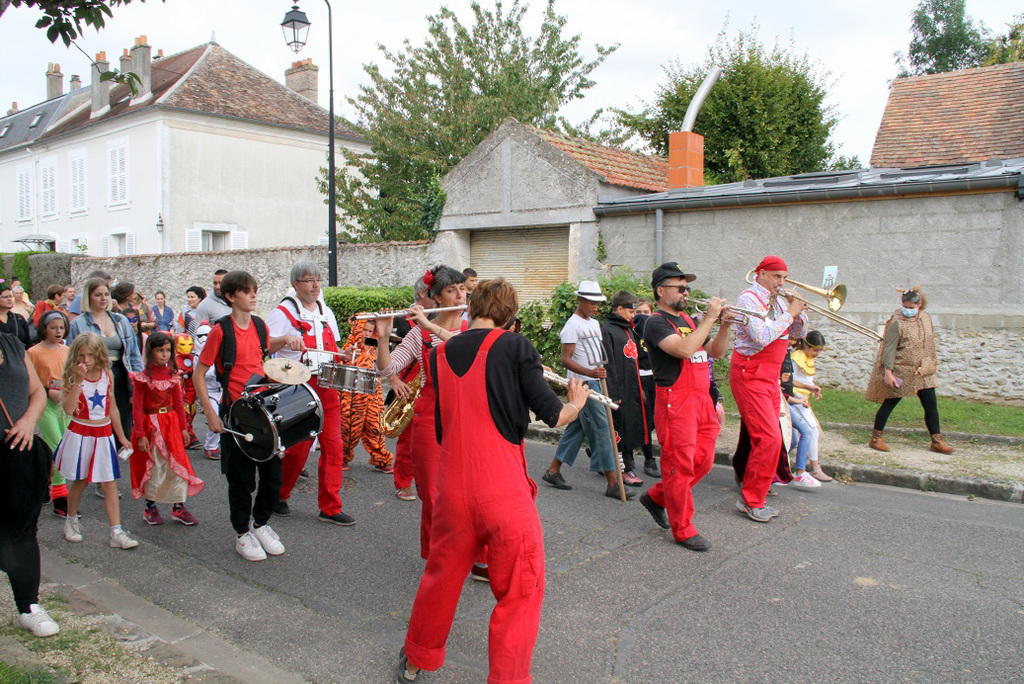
x,y
744,314
836,297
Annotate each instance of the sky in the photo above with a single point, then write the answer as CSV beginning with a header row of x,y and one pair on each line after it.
x,y
853,41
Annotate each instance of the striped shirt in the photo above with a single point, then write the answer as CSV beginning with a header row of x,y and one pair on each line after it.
x,y
756,334
408,350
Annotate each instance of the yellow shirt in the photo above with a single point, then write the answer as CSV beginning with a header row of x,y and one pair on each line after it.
x,y
803,371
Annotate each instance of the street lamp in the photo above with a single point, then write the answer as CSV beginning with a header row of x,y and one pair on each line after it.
x,y
296,28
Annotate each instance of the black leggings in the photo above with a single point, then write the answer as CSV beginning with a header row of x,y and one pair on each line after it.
x,y
25,476
928,402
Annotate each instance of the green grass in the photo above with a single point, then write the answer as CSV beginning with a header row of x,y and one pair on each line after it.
x,y
957,415
12,674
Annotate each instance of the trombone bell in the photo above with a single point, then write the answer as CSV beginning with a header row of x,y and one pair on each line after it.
x,y
836,295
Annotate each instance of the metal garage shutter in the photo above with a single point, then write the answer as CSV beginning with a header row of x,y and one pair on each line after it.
x,y
535,260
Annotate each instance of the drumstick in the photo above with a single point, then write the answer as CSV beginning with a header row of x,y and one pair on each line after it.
x,y
247,436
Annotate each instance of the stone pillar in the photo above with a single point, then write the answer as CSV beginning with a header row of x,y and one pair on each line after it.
x,y
54,82
100,91
142,65
303,78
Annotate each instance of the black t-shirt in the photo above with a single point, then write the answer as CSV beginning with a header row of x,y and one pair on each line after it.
x,y
13,378
515,381
17,326
659,326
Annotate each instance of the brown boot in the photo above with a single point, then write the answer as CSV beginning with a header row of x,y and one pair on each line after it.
x,y
939,445
877,443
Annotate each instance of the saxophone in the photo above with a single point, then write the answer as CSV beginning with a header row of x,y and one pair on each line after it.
x,y
399,414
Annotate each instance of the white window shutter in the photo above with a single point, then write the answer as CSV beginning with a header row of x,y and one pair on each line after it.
x,y
129,243
78,184
105,246
24,195
323,241
122,174
64,246
48,174
239,239
193,240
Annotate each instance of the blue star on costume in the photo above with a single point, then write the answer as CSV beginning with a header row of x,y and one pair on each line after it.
x,y
97,399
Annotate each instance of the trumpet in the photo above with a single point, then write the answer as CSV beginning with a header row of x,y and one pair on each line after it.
x,y
404,312
744,314
551,376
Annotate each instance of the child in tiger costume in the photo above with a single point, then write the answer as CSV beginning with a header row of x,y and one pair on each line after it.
x,y
360,413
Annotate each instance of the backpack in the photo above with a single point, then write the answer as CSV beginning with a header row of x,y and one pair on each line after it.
x,y
229,348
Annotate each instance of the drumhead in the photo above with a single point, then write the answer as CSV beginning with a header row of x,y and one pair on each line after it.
x,y
248,415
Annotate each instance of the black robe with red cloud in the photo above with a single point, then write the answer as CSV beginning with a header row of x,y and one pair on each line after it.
x,y
624,347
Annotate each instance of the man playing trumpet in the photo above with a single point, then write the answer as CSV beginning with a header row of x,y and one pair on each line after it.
x,y
684,414
754,377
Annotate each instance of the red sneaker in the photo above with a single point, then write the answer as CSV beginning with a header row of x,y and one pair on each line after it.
x,y
183,516
152,516
387,470
212,454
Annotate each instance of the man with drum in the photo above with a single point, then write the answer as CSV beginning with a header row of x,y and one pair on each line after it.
x,y
760,349
303,313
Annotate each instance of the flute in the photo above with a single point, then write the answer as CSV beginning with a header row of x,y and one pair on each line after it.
x,y
551,376
401,312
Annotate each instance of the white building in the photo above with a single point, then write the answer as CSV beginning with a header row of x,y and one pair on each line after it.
x,y
210,154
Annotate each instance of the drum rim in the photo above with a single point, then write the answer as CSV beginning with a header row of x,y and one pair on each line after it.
x,y
241,442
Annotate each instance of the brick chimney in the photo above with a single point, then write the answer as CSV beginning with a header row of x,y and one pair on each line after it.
x,y
142,65
13,109
302,78
54,82
685,159
126,62
75,83
100,91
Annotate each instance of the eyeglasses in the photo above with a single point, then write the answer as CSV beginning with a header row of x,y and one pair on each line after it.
x,y
681,288
308,281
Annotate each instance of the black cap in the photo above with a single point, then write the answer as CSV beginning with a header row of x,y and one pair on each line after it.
x,y
669,269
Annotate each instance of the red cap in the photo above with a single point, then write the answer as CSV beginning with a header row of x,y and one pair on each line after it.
x,y
772,263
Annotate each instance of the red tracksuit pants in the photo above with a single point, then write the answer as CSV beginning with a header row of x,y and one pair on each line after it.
x,y
329,473
754,381
485,499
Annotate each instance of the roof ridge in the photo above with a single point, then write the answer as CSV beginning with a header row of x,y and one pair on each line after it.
x,y
191,70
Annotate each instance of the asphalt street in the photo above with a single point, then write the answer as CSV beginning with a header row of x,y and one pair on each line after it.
x,y
854,582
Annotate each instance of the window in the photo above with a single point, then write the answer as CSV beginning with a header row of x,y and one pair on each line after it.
x,y
205,236
216,241
77,183
117,174
36,120
48,181
117,244
7,127
25,193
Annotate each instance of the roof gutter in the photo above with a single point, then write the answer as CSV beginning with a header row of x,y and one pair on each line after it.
x,y
643,206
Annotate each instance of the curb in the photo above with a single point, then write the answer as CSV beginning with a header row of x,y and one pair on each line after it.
x,y
965,436
998,490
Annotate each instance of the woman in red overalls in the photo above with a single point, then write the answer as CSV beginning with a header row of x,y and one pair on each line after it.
x,y
486,380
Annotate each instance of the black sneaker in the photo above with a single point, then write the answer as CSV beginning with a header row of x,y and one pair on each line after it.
x,y
304,474
403,676
696,543
480,573
657,512
555,480
651,468
282,509
613,493
338,518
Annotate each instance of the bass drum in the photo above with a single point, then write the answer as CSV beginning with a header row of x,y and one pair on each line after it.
x,y
277,418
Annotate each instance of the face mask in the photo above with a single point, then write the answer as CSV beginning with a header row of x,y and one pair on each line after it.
x,y
909,313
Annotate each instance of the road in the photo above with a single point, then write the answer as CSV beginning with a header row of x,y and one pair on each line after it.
x,y
854,582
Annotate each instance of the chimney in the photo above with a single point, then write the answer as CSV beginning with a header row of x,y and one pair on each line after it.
x,y
126,62
13,109
75,83
159,55
54,82
142,65
302,78
685,159
100,91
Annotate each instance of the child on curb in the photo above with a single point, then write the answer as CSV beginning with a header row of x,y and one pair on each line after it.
x,y
160,467
49,358
87,452
236,347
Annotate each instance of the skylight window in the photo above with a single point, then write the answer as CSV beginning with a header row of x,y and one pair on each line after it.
x,y
4,132
35,121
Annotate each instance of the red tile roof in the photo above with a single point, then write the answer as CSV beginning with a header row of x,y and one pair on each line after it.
x,y
617,166
210,80
951,118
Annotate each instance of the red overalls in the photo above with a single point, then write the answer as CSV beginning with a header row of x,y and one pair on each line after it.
x,y
329,473
687,426
425,449
754,381
403,447
485,498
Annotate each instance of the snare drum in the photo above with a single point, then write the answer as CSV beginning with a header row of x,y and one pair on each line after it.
x,y
348,378
277,418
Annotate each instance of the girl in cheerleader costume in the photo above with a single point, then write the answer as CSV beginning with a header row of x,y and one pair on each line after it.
x,y
160,467
49,358
87,452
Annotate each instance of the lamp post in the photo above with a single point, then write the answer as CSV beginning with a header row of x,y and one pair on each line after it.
x,y
296,28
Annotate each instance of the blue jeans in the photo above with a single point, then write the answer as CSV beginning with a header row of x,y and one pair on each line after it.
x,y
806,430
593,422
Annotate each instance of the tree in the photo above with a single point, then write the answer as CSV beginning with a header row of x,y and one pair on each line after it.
x,y
444,96
1008,48
766,116
944,38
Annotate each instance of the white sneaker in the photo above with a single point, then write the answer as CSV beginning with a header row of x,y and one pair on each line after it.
x,y
72,529
249,548
121,540
38,621
269,540
805,482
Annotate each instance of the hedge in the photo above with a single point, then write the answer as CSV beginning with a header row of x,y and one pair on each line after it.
x,y
348,301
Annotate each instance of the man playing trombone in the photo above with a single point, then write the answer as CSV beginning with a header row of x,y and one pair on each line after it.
x,y
684,414
757,358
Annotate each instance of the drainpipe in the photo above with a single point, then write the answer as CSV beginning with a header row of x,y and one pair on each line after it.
x,y
659,237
